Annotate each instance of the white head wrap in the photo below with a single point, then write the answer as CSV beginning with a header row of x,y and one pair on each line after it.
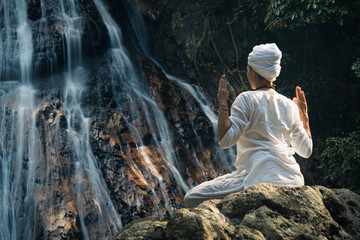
x,y
265,60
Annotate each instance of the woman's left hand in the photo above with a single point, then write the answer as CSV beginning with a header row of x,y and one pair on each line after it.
x,y
223,117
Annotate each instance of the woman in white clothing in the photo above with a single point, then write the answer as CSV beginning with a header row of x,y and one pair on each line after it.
x,y
267,127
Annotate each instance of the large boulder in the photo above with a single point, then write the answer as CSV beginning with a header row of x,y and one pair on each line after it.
x,y
263,211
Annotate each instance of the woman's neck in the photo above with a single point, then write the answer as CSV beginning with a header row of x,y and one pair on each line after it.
x,y
265,88
263,84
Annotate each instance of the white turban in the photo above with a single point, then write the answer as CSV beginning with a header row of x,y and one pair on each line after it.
x,y
265,60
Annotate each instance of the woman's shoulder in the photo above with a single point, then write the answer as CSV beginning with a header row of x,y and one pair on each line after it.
x,y
287,102
285,98
250,95
246,94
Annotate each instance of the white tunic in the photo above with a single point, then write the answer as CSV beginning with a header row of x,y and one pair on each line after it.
x,y
267,130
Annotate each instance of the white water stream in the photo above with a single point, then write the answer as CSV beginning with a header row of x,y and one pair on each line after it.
x,y
17,211
88,174
130,83
19,145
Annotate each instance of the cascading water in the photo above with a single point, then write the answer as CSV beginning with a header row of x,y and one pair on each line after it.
x,y
17,211
20,157
89,183
133,88
55,183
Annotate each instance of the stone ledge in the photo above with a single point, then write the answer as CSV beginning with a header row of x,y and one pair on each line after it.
x,y
263,211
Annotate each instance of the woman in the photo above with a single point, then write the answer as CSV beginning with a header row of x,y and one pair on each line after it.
x,y
267,127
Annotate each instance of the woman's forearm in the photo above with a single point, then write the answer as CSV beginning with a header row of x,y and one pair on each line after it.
x,y
306,124
223,122
223,117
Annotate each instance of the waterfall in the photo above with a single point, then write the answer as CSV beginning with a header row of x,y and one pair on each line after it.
x,y
53,183
89,182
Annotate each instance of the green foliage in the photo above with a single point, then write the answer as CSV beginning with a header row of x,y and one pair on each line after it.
x,y
340,162
294,14
356,67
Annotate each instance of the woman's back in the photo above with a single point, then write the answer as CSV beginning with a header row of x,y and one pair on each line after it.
x,y
271,117
263,125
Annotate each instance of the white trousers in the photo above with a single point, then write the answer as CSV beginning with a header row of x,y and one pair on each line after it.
x,y
217,188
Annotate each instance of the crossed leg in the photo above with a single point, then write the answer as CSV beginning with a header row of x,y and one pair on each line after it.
x,y
217,188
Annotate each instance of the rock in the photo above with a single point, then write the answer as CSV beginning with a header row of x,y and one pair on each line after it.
x,y
203,222
147,228
283,212
264,211
350,219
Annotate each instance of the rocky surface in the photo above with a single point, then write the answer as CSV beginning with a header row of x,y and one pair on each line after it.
x,y
143,187
125,145
263,211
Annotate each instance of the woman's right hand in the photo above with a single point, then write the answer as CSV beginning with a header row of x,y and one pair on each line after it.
x,y
223,93
300,101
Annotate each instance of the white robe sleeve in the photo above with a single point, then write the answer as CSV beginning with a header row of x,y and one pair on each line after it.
x,y
239,120
300,141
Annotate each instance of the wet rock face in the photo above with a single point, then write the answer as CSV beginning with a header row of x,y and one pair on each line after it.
x,y
138,189
263,211
127,149
147,148
146,173
191,129
141,180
